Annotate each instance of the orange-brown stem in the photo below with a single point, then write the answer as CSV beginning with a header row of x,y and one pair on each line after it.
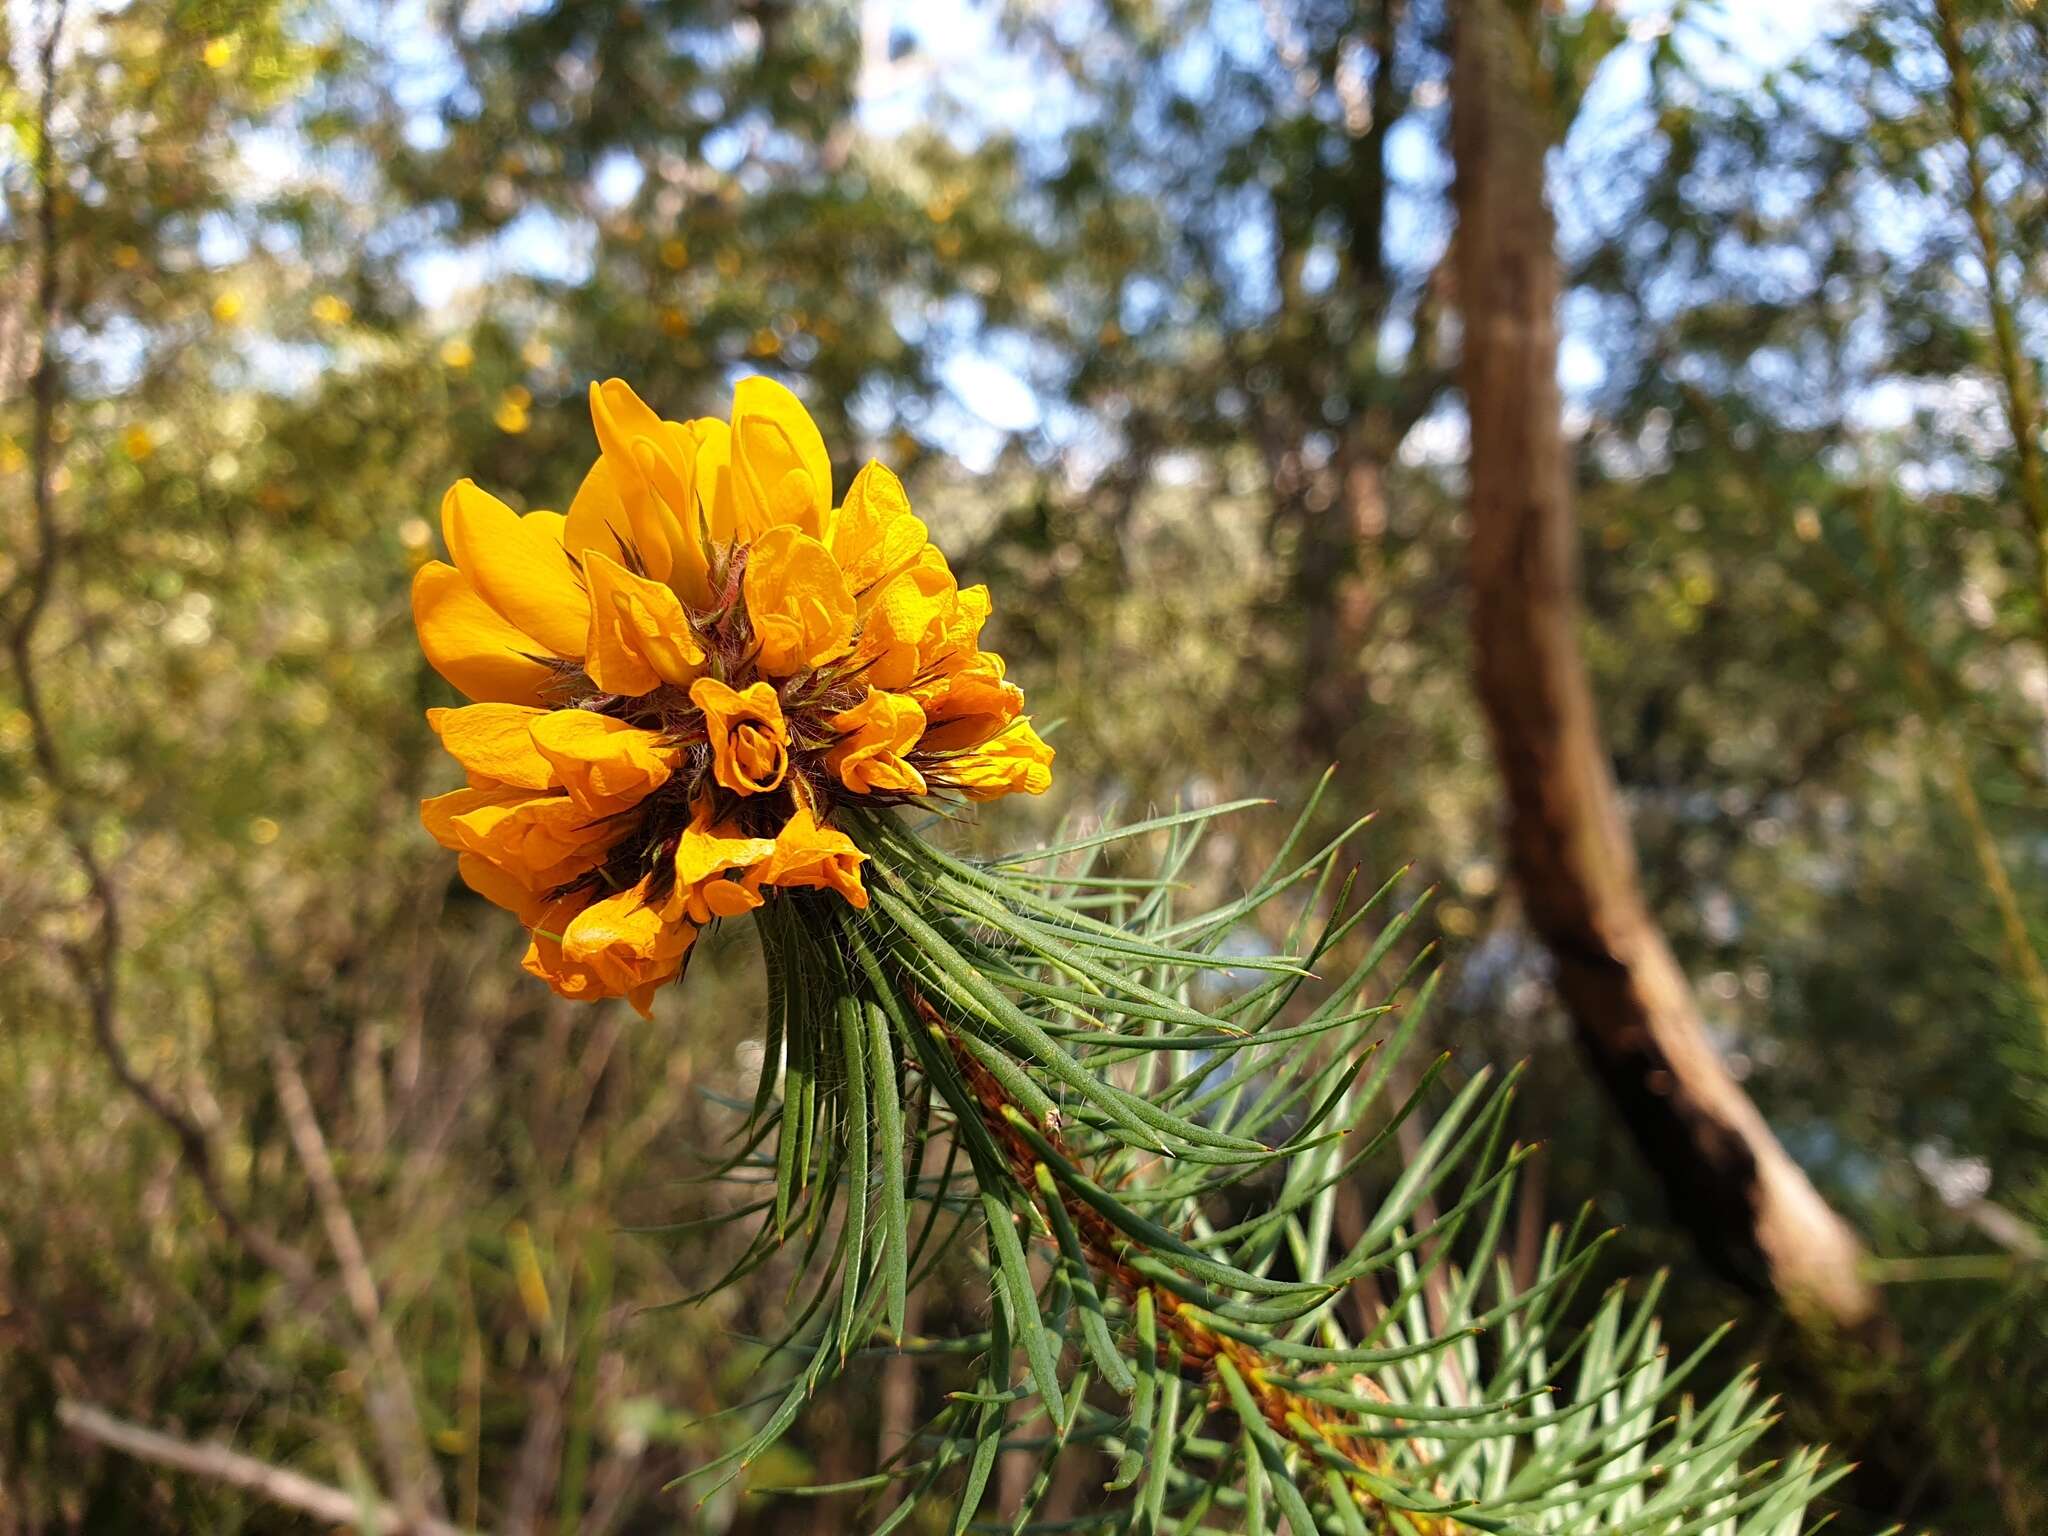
x,y
1302,1421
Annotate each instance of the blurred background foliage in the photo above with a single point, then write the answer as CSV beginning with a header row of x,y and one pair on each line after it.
x,y
1150,300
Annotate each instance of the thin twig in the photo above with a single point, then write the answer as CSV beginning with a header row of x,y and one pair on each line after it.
x,y
394,1414
2015,370
221,1463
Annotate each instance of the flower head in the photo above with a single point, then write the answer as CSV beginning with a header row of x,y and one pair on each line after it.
x,y
676,684
748,737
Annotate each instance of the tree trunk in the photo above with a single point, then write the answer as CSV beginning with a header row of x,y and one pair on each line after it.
x,y
1753,1211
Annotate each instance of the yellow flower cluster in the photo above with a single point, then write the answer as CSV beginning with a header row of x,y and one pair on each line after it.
x,y
676,683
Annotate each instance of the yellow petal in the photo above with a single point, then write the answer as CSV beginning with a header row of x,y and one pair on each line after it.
x,y
690,557
963,625
597,517
798,602
652,491
1016,760
493,740
469,643
712,440
665,474
518,566
781,471
905,621
640,636
606,765
875,736
968,703
807,854
875,535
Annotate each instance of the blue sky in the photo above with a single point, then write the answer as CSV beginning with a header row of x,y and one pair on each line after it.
x,y
959,43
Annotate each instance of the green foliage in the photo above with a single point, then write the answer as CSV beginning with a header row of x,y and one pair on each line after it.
x,y
1151,1127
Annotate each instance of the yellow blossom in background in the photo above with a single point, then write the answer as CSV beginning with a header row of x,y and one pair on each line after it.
x,y
457,353
219,52
331,309
137,442
227,307
677,682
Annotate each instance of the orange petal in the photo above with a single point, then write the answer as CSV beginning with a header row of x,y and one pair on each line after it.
x,y
498,887
626,945
749,738
606,765
493,740
438,812
807,854
544,956
518,566
469,643
540,840
705,854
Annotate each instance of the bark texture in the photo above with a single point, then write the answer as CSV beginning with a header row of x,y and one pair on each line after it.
x,y
1753,1211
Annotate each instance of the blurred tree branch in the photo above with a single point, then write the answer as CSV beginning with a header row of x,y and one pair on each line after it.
x,y
394,1416
1751,1207
221,1463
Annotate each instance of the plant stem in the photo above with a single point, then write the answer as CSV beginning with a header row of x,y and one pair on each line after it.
x,y
1298,1420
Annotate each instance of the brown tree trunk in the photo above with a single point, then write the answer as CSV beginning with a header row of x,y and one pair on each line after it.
x,y
1752,1209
